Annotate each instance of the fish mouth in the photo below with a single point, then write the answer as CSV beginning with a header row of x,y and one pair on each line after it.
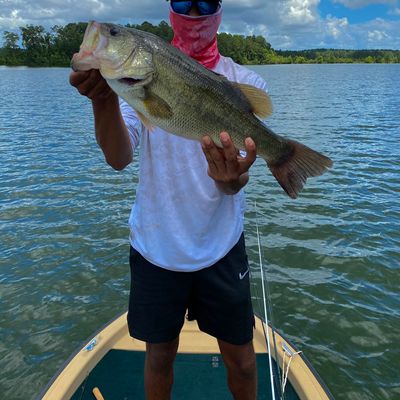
x,y
92,39
136,81
92,42
130,81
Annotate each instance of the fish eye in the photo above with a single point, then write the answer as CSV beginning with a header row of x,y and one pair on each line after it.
x,y
114,31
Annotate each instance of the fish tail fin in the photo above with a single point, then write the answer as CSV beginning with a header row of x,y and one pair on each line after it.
x,y
292,170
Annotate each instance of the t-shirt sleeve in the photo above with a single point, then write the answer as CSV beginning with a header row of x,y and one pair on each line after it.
x,y
252,78
260,83
132,122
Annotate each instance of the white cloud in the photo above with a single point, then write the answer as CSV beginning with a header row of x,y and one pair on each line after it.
x,y
363,3
286,24
12,20
282,41
64,11
377,36
299,12
336,26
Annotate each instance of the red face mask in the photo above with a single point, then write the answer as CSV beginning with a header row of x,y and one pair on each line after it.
x,y
197,36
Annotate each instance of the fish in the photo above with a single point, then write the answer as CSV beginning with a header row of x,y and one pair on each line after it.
x,y
170,90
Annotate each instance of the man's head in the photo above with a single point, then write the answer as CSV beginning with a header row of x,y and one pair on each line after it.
x,y
195,24
195,7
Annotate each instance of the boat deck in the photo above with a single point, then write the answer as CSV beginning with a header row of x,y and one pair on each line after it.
x,y
113,362
119,375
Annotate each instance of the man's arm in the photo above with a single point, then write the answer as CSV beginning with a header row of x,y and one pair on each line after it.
x,y
228,169
111,132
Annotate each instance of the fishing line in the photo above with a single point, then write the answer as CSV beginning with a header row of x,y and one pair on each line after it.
x,y
267,306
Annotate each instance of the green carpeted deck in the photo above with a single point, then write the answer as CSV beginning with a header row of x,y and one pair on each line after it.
x,y
119,376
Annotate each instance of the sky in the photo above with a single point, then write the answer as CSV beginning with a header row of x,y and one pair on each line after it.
x,y
286,24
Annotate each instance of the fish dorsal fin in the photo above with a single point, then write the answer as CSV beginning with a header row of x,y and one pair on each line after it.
x,y
260,102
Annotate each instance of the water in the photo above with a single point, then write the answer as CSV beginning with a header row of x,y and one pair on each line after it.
x,y
331,257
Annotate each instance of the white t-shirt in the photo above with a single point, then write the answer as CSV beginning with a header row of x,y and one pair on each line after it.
x,y
180,220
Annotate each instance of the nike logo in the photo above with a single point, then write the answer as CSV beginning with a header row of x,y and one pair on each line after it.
x,y
241,276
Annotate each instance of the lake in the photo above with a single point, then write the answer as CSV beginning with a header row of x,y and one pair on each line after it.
x,y
331,257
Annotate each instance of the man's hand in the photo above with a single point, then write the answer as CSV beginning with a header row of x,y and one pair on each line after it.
x,y
91,84
226,166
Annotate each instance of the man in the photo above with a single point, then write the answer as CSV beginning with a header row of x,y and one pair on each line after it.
x,y
187,246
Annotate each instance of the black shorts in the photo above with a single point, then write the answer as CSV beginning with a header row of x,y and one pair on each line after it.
x,y
218,297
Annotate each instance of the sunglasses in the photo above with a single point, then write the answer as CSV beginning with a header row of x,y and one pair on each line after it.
x,y
205,7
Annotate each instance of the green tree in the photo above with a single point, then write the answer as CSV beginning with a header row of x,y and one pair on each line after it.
x,y
165,31
67,40
11,54
37,43
10,40
300,60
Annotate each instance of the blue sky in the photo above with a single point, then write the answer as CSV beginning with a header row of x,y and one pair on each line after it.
x,y
360,14
286,24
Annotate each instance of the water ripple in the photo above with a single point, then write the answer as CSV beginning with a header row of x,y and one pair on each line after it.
x,y
331,257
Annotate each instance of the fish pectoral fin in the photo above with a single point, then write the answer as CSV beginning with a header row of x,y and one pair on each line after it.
x,y
157,107
145,121
260,102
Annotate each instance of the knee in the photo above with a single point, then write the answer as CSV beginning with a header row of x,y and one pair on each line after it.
x,y
246,369
243,368
160,357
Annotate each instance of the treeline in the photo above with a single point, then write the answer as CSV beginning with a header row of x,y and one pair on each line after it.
x,y
41,48
55,48
34,46
332,56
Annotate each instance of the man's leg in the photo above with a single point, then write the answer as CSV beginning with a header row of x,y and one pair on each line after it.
x,y
158,369
157,306
240,362
223,309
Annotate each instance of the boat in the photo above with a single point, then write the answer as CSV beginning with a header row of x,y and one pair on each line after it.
x,y
109,366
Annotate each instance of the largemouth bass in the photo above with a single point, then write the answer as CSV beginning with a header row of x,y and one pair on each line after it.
x,y
172,91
